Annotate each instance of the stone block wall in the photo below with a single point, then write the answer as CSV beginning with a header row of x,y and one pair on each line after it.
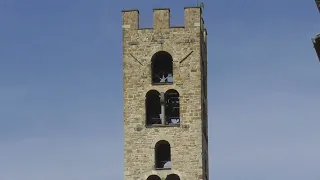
x,y
184,44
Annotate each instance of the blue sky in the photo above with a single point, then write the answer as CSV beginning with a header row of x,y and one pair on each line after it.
x,y
61,85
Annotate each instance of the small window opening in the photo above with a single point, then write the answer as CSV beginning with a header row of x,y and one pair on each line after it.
x,y
162,68
153,108
154,177
172,177
172,110
163,155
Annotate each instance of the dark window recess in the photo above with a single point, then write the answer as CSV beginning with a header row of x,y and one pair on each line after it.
x,y
162,155
172,109
153,108
154,177
161,68
172,177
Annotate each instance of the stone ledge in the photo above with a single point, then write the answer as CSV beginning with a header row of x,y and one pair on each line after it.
x,y
162,125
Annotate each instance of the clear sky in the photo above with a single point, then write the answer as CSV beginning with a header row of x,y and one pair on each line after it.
x,y
61,88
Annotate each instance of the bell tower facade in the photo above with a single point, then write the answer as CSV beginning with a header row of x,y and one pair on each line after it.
x,y
165,97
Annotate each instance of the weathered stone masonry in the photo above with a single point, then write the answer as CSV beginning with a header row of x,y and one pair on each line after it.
x,y
188,139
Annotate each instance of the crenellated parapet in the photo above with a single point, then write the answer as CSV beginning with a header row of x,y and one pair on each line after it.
x,y
161,18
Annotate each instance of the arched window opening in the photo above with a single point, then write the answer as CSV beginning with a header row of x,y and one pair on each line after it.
x,y
162,68
154,177
172,177
153,108
163,155
172,109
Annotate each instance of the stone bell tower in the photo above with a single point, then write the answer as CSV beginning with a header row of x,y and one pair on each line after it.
x,y
165,97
